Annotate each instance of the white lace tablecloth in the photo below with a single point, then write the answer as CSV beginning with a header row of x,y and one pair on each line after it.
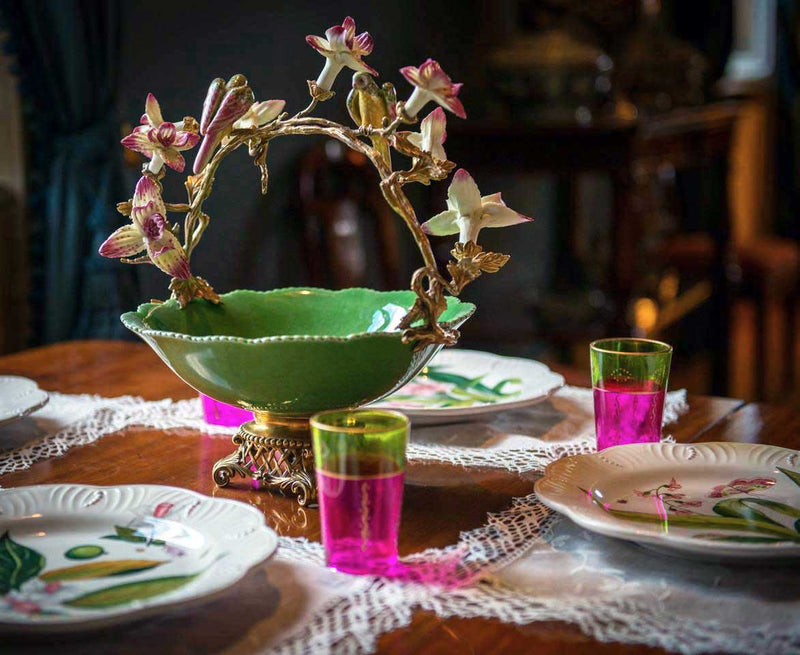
x,y
524,564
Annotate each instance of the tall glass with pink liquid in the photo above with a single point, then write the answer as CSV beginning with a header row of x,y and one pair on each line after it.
x,y
360,459
629,379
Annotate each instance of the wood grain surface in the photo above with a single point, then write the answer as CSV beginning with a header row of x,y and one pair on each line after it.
x,y
433,514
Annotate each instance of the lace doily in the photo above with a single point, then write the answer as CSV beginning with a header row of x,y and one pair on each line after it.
x,y
524,440
528,438
532,565
525,564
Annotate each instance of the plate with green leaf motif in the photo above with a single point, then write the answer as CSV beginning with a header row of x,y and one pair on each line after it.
x,y
709,500
76,556
459,385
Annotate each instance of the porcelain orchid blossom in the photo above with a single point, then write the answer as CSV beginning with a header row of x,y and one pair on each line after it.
x,y
432,83
149,231
432,134
160,140
341,48
468,212
260,113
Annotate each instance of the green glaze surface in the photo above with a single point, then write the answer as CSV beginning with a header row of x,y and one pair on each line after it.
x,y
290,351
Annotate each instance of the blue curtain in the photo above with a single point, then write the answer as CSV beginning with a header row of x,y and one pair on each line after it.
x,y
66,54
787,165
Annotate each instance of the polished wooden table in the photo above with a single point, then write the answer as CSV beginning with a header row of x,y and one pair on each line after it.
x,y
432,516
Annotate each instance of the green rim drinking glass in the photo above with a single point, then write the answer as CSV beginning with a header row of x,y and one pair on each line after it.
x,y
360,459
629,379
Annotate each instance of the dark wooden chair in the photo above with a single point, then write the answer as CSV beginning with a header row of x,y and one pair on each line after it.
x,y
350,235
766,272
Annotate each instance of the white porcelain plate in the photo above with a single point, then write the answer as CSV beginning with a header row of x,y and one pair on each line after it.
x,y
74,556
459,385
19,397
713,500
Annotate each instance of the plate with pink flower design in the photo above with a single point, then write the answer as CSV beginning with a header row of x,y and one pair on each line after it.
x,y
74,557
711,500
459,385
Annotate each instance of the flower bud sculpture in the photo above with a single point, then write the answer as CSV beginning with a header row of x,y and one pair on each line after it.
x,y
341,48
230,118
432,134
260,113
222,108
431,83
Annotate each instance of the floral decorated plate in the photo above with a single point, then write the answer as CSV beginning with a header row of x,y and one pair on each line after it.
x,y
19,397
712,500
75,556
459,385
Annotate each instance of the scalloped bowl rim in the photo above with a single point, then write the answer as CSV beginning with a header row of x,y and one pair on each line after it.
x,y
129,321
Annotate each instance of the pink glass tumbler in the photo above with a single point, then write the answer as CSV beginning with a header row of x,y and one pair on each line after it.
x,y
629,379
360,461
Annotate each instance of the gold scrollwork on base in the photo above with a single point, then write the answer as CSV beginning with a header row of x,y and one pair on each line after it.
x,y
277,462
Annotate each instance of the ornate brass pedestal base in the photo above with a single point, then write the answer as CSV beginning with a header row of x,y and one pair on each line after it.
x,y
277,453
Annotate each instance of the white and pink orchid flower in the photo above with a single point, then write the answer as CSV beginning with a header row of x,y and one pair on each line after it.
x,y
260,113
160,140
341,48
468,212
149,231
432,83
432,134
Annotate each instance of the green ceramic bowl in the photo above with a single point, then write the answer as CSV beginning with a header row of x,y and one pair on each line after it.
x,y
290,351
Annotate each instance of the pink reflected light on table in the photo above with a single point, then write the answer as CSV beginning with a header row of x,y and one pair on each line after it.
x,y
217,413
